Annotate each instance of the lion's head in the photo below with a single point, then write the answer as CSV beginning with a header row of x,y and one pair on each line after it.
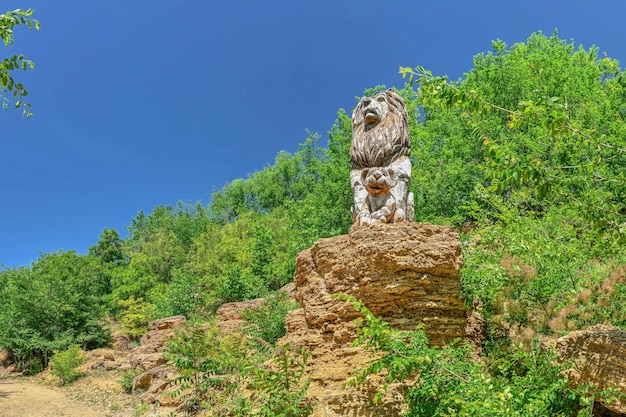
x,y
378,181
380,131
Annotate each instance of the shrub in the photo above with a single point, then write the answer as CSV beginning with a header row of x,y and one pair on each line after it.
x,y
236,286
214,370
135,316
209,370
280,389
518,383
64,364
268,321
184,295
127,380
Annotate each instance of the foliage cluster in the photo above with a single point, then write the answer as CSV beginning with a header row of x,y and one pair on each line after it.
x,y
545,125
206,366
543,136
51,305
268,321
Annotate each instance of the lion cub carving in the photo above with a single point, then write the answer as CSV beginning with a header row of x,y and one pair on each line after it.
x,y
380,205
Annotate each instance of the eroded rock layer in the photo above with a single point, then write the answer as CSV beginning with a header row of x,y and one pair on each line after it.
x,y
598,355
406,273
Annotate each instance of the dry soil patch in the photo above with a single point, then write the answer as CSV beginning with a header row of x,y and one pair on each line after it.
x,y
21,398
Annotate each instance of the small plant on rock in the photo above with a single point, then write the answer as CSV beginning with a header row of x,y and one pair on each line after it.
x,y
127,380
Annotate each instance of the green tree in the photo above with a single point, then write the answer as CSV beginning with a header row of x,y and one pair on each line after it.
x,y
185,221
153,254
48,307
109,249
109,253
183,295
8,86
547,124
325,210
221,257
244,258
291,178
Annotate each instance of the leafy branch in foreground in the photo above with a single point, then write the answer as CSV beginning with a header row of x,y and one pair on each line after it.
x,y
216,372
8,86
208,371
525,384
279,390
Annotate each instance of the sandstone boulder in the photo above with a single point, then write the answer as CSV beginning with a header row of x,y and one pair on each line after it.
x,y
229,317
407,273
153,386
100,359
149,353
599,357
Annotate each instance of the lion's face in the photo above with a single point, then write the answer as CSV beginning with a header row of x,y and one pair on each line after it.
x,y
380,131
374,109
378,181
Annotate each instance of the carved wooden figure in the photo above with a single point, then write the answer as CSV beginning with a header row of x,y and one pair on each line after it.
x,y
380,139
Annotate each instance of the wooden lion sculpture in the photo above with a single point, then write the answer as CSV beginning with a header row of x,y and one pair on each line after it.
x,y
380,139
379,206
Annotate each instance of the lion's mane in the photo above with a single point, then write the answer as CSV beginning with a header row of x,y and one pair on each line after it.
x,y
381,144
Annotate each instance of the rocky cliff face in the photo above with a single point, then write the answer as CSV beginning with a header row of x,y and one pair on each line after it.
x,y
406,273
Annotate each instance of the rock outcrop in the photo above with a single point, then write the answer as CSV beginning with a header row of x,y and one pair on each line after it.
x,y
406,273
153,384
107,359
599,357
149,353
229,314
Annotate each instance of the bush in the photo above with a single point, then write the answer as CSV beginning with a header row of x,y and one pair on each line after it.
x,y
528,268
64,364
518,383
268,321
183,296
235,286
127,380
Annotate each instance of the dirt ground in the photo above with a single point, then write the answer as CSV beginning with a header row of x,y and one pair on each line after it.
x,y
23,398
92,396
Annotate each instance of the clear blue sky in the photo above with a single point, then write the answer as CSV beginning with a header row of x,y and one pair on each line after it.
x,y
140,103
